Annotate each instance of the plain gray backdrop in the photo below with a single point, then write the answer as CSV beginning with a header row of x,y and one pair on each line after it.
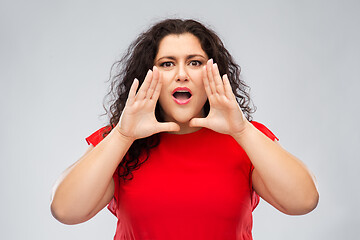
x,y
301,59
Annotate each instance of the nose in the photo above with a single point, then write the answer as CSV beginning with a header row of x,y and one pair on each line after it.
x,y
182,74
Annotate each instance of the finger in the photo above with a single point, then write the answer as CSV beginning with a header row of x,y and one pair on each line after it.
x,y
132,91
144,86
210,76
217,79
206,82
228,90
198,122
153,84
157,90
167,127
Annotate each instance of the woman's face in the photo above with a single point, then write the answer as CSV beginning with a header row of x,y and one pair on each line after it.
x,y
180,60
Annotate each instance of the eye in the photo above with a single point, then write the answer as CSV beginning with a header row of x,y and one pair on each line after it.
x,y
166,64
195,63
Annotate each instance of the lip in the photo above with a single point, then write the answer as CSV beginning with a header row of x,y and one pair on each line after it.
x,y
181,102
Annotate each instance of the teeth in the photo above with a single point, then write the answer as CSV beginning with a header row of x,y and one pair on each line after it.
x,y
182,91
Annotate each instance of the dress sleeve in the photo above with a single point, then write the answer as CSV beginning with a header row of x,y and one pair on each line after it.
x,y
113,204
97,136
264,130
255,197
94,139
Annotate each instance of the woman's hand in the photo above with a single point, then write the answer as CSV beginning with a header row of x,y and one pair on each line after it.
x,y
138,117
225,115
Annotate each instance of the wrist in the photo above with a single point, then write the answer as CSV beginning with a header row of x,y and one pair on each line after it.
x,y
120,136
244,133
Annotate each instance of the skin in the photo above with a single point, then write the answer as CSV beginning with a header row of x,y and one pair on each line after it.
x,y
280,178
180,61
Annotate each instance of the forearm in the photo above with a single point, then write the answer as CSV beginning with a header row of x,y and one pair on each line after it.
x,y
284,177
83,185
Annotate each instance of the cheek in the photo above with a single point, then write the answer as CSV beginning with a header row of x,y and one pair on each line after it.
x,y
165,79
204,98
162,99
196,75
198,81
167,76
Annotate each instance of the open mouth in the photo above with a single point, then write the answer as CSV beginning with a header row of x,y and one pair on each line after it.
x,y
182,95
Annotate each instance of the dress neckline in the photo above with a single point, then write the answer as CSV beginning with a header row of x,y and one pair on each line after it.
x,y
185,135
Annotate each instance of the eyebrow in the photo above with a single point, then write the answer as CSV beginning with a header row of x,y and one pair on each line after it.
x,y
187,57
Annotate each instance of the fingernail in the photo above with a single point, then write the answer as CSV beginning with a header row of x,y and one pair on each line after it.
x,y
211,60
215,65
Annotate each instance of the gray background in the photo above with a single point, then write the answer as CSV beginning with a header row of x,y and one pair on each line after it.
x,y
301,59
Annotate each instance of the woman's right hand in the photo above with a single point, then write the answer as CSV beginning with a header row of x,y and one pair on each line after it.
x,y
138,117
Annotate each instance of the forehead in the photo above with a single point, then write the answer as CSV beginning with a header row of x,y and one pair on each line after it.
x,y
180,44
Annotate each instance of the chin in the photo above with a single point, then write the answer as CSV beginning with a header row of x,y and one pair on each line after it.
x,y
181,116
182,119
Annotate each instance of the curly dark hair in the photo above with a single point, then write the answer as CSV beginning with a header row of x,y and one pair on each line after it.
x,y
140,57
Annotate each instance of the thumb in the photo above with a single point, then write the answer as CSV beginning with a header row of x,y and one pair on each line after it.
x,y
167,127
198,122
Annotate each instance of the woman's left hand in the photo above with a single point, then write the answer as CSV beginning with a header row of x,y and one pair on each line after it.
x,y
225,114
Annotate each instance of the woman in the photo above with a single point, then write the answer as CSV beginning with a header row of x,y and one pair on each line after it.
x,y
181,158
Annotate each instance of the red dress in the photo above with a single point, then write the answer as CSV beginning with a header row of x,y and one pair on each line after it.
x,y
193,186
